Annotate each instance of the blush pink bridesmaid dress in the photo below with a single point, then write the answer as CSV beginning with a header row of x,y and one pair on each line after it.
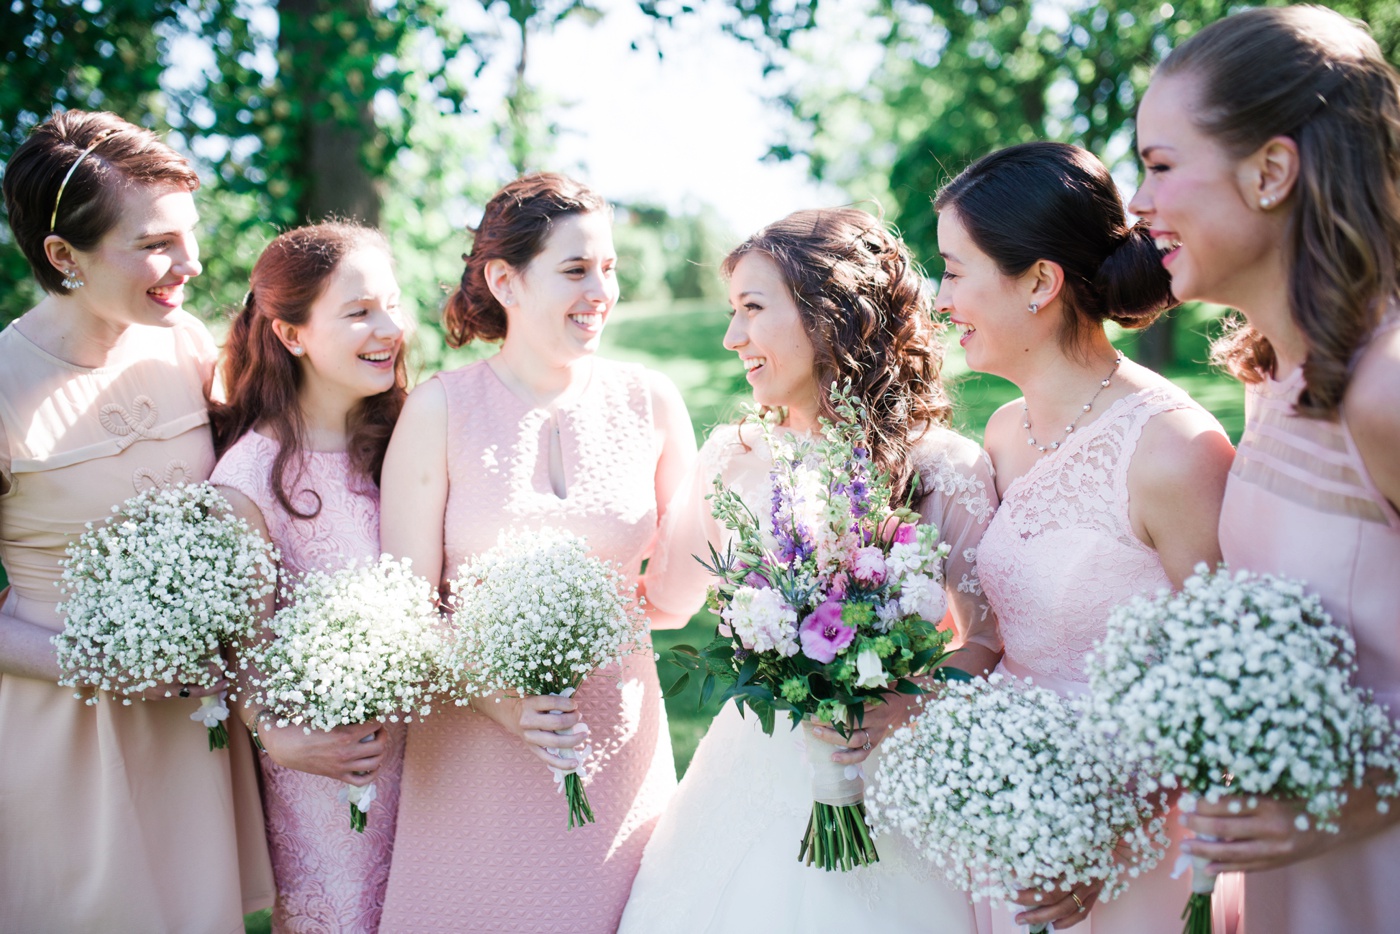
x,y
483,842
1059,555
329,878
1301,503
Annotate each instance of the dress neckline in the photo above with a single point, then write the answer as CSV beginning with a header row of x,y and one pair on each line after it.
x,y
1074,441
554,407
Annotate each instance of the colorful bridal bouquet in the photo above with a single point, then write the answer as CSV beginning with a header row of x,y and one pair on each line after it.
x,y
996,783
1239,684
536,614
149,596
828,601
360,644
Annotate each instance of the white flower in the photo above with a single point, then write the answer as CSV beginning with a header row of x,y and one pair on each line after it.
x,y
870,673
762,621
922,596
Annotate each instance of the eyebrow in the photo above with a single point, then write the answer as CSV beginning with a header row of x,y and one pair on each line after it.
x,y
747,292
1146,153
951,257
165,233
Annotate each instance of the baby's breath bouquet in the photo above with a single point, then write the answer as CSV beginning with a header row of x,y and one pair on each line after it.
x,y
996,783
360,644
149,596
829,601
1239,684
536,614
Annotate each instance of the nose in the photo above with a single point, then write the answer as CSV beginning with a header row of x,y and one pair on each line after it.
x,y
388,325
943,298
601,288
1141,202
188,264
735,336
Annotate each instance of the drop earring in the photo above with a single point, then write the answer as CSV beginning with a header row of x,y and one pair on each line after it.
x,y
71,281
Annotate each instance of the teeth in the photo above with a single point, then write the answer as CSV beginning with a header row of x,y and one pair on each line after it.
x,y
1166,244
753,363
378,356
586,318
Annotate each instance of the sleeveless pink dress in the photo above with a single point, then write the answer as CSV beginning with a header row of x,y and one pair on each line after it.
x,y
483,842
1059,555
1301,503
329,878
112,818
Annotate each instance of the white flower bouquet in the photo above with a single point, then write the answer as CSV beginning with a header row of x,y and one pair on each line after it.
x,y
360,644
149,596
996,784
1239,684
535,615
829,601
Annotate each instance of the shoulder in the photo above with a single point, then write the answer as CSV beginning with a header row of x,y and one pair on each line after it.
x,y
955,468
426,405
1182,446
1371,413
667,405
246,465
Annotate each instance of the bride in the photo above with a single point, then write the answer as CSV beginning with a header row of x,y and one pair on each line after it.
x,y
820,296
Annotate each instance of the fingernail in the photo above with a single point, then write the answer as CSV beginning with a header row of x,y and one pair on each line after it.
x,y
1187,847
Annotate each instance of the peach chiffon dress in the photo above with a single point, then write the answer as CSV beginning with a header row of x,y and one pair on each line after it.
x,y
112,817
1301,503
329,878
483,840
1058,557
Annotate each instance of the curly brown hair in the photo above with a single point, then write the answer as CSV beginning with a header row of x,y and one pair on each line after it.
x,y
1317,77
867,309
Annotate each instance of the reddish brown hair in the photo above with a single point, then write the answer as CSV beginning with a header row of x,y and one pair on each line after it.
x,y
263,378
1317,77
126,155
866,307
518,220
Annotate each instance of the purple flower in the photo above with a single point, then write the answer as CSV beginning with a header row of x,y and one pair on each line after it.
x,y
823,634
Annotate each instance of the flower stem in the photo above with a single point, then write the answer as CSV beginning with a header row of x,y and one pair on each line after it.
x,y
358,819
837,838
218,737
1197,914
580,812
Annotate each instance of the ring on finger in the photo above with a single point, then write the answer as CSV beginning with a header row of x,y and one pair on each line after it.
x,y
1077,902
866,747
184,690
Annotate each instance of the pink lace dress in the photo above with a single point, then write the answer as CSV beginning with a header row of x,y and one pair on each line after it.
x,y
330,879
1300,502
483,842
1059,555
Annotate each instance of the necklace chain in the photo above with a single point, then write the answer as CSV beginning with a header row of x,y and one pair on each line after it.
x,y
1069,429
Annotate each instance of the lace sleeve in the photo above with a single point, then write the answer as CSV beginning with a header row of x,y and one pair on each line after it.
x,y
959,497
675,581
6,476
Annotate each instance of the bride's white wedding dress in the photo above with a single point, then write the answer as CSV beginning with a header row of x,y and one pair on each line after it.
x,y
723,858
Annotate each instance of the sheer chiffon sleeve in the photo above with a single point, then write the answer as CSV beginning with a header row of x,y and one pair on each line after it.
x,y
959,497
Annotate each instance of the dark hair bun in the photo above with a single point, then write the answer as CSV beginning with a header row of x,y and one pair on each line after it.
x,y
1132,283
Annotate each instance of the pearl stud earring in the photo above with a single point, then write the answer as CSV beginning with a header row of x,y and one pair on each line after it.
x,y
1034,307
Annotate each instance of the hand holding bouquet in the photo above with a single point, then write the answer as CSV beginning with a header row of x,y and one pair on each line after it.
x,y
360,644
150,595
1239,684
535,615
829,601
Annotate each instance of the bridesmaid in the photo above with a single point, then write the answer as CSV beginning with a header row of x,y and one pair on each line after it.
x,y
1272,147
316,377
1110,477
820,296
112,817
541,434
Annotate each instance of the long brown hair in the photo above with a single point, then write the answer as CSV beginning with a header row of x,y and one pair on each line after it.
x,y
866,307
1319,78
263,378
517,221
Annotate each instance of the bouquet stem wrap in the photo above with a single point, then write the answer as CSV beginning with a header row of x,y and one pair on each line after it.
x,y
1197,913
571,781
212,713
837,836
359,797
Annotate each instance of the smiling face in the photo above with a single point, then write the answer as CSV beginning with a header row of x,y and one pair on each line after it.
x,y
137,272
354,332
989,308
559,303
767,333
1197,199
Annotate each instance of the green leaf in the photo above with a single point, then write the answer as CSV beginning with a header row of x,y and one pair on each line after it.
x,y
949,673
677,686
707,688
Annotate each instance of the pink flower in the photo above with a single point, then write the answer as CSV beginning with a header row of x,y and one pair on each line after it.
x,y
905,534
823,634
836,590
868,564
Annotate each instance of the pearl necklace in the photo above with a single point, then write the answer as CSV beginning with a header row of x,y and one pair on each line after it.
x,y
1055,445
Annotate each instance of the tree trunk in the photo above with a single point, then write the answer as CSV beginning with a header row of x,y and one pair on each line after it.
x,y
332,177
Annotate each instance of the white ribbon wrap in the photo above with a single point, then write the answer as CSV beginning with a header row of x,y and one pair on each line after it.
x,y
577,754
362,796
832,783
212,710
1202,882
